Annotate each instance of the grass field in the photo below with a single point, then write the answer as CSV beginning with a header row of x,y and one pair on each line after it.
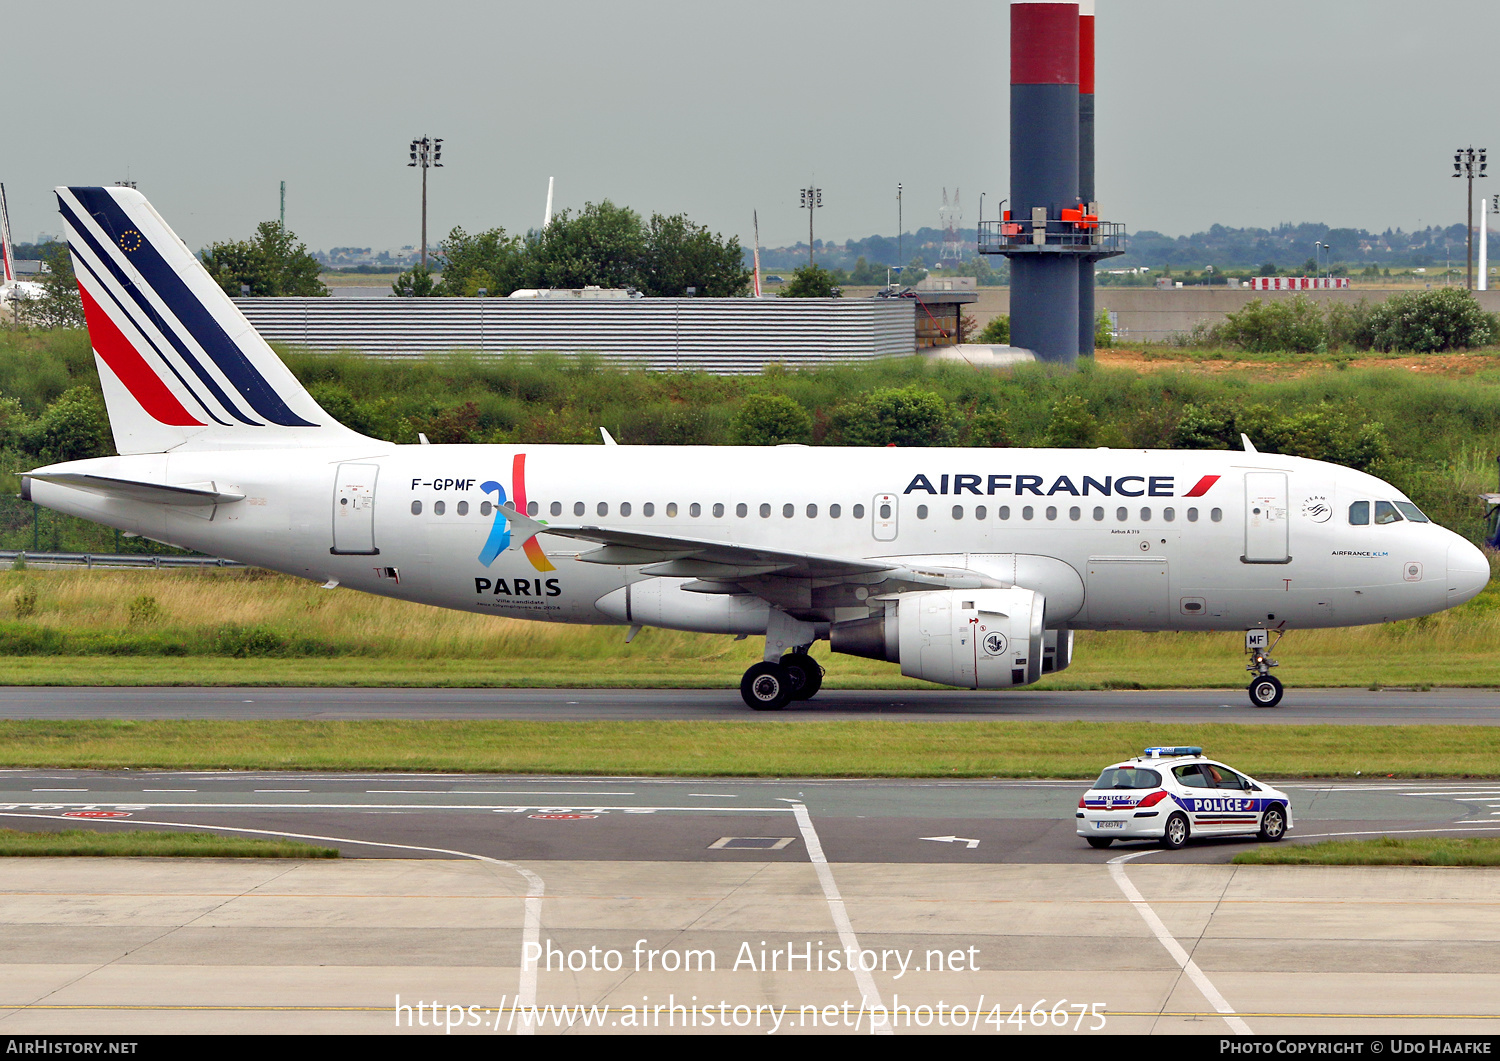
x,y
85,842
1386,851
254,628
870,748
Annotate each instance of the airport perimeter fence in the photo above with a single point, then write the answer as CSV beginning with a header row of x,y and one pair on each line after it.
x,y
26,527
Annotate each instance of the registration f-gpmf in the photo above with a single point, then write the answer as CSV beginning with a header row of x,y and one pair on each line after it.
x,y
968,567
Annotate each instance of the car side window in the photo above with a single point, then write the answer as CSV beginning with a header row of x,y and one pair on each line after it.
x,y
1191,776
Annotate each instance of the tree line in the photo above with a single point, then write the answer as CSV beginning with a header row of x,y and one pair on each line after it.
x,y
601,245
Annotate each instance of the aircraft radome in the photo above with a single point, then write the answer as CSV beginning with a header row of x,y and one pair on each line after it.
x,y
968,567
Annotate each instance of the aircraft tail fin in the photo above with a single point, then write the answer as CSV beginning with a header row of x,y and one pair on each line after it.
x,y
6,253
180,366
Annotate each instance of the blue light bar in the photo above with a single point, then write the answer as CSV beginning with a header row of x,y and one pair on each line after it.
x,y
1158,753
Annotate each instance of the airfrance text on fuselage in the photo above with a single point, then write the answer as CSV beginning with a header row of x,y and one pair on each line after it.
x,y
1017,485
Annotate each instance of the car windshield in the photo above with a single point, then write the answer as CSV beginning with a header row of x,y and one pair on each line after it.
x,y
1128,777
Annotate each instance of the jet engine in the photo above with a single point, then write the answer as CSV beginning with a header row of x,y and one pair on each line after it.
x,y
973,638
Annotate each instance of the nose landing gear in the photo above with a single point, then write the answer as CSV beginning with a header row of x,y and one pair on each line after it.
x,y
1265,691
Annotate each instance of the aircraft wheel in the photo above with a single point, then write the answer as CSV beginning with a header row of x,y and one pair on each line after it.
x,y
766,687
1265,691
1100,842
805,674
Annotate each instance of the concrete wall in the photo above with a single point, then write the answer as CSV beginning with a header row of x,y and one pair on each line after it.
x,y
1149,314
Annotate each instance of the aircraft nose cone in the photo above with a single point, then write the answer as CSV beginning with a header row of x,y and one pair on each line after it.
x,y
1468,572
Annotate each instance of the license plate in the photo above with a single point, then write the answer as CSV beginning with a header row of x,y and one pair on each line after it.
x,y
1109,825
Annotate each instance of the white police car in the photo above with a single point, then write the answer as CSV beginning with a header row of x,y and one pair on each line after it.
x,y
1170,794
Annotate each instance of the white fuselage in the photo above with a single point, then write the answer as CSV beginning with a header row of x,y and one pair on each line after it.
x,y
1110,536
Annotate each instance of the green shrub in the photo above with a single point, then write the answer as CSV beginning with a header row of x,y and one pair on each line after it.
x,y
1073,425
1427,321
23,600
992,428
905,416
769,420
242,642
1104,330
1295,324
144,609
997,331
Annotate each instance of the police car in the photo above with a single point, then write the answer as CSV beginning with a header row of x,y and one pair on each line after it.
x,y
1170,794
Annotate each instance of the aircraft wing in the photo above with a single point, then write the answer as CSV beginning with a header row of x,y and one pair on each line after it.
x,y
674,556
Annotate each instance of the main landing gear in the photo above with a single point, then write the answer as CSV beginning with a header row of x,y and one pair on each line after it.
x,y
1265,691
771,685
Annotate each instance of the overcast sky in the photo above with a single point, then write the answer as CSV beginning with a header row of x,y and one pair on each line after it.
x,y
1241,112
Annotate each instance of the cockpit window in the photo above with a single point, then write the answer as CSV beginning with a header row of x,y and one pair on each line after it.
x,y
1359,514
1412,512
1385,512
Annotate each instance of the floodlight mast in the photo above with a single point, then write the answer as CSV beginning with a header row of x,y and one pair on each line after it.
x,y
812,198
426,152
1470,163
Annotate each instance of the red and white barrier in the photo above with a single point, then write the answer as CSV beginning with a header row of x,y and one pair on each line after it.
x,y
1298,283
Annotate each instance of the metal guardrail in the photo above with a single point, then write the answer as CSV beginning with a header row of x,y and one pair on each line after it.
x,y
1021,236
9,556
727,336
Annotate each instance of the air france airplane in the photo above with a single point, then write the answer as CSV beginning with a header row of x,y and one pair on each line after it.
x,y
968,567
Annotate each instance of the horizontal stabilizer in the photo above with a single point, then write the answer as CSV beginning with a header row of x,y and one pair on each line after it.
x,y
191,494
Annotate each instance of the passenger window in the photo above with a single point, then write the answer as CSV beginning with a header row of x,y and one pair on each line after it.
x,y
1075,513
1051,511
1359,514
1098,514
1216,514
579,508
765,511
463,508
485,508
718,510
859,511
648,509
556,509
438,508
532,508
671,509
885,511
1122,514
1027,512
1192,515
416,508
1145,515
834,511
741,510
812,511
603,509
980,512
1003,512
958,512
624,508
787,511
1169,514
1191,777
921,511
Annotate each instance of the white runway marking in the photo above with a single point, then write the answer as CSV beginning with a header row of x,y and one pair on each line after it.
x,y
531,930
835,901
1167,940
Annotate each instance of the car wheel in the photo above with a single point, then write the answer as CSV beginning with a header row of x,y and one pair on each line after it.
x,y
1273,824
1177,832
1265,691
1100,842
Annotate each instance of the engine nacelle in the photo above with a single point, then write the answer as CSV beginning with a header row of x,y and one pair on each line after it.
x,y
973,638
1057,650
